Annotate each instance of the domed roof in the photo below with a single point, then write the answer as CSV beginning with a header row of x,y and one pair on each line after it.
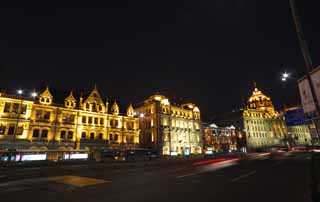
x,y
259,101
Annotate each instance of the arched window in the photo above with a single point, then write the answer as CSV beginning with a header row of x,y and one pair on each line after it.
x,y
63,134
87,106
100,136
44,133
35,133
94,107
70,135
92,136
83,135
42,99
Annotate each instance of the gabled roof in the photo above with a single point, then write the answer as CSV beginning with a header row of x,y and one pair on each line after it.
x,y
94,96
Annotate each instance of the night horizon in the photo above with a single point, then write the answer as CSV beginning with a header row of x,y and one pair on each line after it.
x,y
156,54
209,100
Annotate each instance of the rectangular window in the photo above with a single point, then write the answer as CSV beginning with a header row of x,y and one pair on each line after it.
x,y
130,125
71,118
95,120
84,119
44,133
23,109
11,130
38,114
116,123
102,121
35,133
46,115
64,118
63,134
90,120
70,135
7,107
19,130
15,108
116,137
2,130
110,137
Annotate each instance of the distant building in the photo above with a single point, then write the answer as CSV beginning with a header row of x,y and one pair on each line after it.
x,y
85,124
170,129
223,138
262,125
298,127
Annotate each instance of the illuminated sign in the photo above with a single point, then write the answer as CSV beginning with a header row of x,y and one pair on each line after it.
x,y
34,157
76,156
174,154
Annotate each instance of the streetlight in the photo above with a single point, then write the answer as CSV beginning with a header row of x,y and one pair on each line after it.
x,y
34,94
19,112
20,92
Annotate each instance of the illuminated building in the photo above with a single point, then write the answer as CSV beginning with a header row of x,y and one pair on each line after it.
x,y
168,128
84,124
298,127
262,125
223,138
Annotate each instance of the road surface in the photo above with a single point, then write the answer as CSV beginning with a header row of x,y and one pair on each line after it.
x,y
255,180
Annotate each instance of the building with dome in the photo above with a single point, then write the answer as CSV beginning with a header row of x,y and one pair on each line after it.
x,y
262,125
171,129
77,123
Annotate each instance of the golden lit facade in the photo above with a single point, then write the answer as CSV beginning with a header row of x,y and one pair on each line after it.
x,y
264,126
298,127
84,124
171,129
300,135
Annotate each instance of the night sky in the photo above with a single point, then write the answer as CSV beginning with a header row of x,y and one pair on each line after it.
x,y
208,51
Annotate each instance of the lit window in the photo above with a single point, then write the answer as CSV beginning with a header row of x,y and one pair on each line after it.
x,y
2,130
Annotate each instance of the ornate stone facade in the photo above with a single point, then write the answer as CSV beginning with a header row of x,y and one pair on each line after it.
x,y
171,129
43,124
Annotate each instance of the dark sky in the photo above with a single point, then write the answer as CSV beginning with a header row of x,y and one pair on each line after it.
x,y
206,51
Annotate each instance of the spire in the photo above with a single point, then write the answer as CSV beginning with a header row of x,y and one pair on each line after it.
x,y
71,97
95,87
115,108
130,110
46,97
70,101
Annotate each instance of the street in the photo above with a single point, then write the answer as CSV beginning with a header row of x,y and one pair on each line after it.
x,y
256,179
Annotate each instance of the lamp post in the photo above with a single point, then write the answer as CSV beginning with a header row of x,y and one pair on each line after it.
x,y
20,93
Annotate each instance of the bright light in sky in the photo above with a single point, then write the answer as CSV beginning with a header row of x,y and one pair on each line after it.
x,y
285,75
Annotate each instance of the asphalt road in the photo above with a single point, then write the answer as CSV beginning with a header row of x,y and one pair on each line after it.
x,y
263,180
